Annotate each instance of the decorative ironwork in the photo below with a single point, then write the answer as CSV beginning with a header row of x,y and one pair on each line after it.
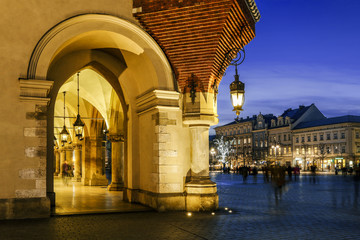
x,y
192,85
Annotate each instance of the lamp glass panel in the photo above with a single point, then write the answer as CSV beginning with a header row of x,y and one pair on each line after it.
x,y
237,99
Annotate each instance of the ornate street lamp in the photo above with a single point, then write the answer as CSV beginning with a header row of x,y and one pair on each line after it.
x,y
235,57
237,93
78,124
64,134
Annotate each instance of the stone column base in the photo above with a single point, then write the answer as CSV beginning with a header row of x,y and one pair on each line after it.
x,y
201,195
158,201
98,180
116,186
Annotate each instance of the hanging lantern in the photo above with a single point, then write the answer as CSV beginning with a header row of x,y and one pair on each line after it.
x,y
78,124
78,127
237,93
64,135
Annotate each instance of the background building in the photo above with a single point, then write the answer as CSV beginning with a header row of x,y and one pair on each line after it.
x,y
302,136
328,143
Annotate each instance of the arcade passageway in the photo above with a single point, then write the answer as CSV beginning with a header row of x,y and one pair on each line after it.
x,y
74,198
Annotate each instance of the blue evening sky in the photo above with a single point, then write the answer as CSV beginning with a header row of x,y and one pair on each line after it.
x,y
304,52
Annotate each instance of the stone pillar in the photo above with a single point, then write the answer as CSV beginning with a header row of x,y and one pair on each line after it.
x,y
98,177
77,164
62,160
57,161
201,191
117,162
199,152
69,156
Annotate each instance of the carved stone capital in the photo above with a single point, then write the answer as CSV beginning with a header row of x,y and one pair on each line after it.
x,y
116,138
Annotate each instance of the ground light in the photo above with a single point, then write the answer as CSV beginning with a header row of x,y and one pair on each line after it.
x,y
189,214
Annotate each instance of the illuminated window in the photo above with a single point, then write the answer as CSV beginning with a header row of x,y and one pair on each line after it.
x,y
297,151
245,141
289,149
309,150
284,150
315,150
303,150
336,150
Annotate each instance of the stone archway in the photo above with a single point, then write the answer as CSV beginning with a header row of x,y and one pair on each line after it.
x,y
138,71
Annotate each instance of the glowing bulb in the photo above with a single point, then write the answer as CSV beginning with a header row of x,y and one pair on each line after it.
x,y
189,214
230,211
213,213
226,209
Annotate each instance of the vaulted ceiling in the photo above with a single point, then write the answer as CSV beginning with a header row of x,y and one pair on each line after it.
x,y
196,34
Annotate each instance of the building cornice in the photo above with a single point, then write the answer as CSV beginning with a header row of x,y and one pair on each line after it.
x,y
254,10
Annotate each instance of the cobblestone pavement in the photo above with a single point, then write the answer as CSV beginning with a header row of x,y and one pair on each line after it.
x,y
321,207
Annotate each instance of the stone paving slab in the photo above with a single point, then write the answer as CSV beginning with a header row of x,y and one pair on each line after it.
x,y
324,207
